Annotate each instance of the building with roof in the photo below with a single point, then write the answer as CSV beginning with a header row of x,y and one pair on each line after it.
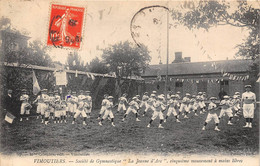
x,y
12,40
194,77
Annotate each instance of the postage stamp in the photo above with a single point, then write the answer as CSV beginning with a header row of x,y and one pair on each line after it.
x,y
65,26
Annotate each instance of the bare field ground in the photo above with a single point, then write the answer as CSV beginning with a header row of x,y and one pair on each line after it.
x,y
131,136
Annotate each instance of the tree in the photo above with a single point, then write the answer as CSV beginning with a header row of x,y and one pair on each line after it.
x,y
4,22
16,50
96,66
35,54
75,63
213,13
235,13
126,59
38,54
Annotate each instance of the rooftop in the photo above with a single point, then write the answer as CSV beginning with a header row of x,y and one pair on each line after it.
x,y
192,68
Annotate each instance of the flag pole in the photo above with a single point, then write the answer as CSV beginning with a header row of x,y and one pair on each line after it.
x,y
167,52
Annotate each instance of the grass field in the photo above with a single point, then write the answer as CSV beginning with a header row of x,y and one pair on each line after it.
x,y
131,136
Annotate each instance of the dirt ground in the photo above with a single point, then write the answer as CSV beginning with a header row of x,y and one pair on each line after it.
x,y
131,136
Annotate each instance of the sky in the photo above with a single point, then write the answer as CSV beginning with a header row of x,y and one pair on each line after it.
x,y
107,23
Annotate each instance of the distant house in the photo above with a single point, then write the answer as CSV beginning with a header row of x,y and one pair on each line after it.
x,y
194,77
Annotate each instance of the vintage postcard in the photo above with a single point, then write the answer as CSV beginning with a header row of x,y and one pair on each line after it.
x,y
138,83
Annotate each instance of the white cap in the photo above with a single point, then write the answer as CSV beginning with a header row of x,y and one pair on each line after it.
x,y
198,98
153,95
160,97
213,98
192,100
172,96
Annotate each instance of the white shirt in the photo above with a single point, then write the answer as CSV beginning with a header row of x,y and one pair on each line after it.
x,y
225,104
212,106
24,98
157,105
109,105
43,98
151,101
173,103
185,100
104,102
74,99
133,104
89,100
80,97
248,97
145,98
81,105
57,97
122,100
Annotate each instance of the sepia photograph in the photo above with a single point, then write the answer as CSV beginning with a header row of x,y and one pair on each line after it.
x,y
145,83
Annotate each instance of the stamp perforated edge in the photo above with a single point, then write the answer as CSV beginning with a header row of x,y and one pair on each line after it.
x,y
72,4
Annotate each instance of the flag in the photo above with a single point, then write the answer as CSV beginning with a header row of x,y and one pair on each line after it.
x,y
36,87
76,74
231,77
258,80
114,74
88,75
9,117
92,76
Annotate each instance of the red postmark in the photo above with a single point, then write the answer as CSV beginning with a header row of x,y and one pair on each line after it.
x,y
65,26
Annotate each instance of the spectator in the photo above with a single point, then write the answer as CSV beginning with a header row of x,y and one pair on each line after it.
x,y
9,102
221,94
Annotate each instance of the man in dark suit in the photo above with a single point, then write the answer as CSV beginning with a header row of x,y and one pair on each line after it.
x,y
9,102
